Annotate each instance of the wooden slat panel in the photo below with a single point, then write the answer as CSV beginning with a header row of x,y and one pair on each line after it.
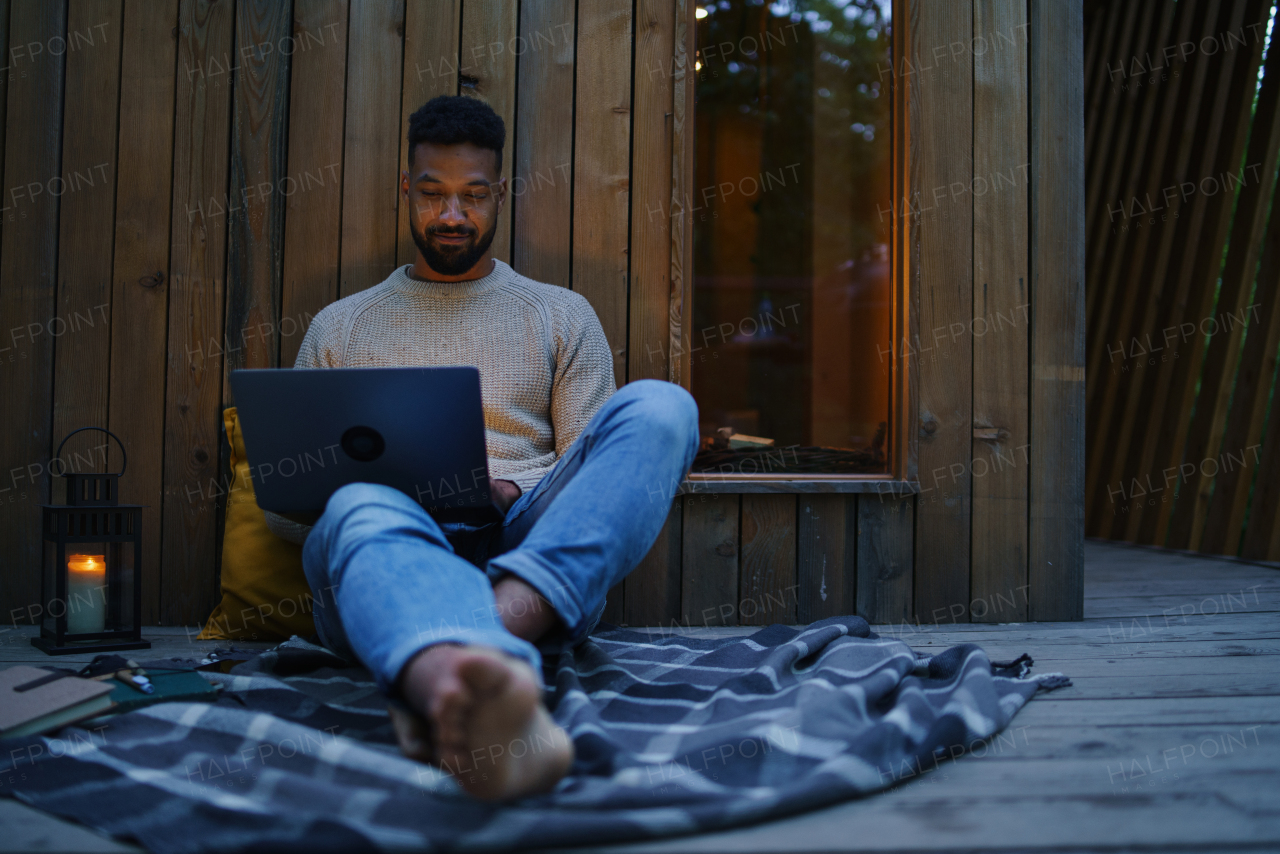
x,y
1115,385
140,290
370,189
1102,31
542,189
1000,297
652,590
1207,234
709,560
1231,498
1122,177
487,65
255,229
1122,151
1113,31
28,267
199,227
682,139
885,563
767,586
1157,251
313,210
601,176
1056,418
1112,165
1164,254
1204,439
649,332
945,288
432,30
82,330
826,556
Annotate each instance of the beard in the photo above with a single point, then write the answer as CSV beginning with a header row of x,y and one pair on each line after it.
x,y
453,260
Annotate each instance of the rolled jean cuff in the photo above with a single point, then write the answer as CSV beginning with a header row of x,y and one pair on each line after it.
x,y
526,566
398,656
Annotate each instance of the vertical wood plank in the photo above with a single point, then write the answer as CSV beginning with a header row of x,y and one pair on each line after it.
x,y
682,160
432,30
188,586
1000,297
487,68
313,210
1217,376
652,595
4,90
28,277
904,410
884,549
601,172
945,287
542,186
140,285
709,560
255,226
826,556
82,330
370,177
1056,420
767,587
649,330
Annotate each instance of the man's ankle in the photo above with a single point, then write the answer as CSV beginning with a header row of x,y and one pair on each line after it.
x,y
524,612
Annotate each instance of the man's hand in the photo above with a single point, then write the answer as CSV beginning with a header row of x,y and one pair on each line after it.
x,y
504,493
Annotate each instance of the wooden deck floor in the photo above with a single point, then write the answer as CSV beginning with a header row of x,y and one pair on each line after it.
x,y
1169,739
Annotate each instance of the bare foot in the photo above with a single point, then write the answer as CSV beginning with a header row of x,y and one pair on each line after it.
x,y
489,729
523,611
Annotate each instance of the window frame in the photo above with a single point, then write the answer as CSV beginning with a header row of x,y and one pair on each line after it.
x,y
902,477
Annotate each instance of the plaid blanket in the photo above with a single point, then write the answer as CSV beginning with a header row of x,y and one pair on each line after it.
x,y
672,735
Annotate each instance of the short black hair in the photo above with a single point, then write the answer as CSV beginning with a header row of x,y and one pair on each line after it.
x,y
451,119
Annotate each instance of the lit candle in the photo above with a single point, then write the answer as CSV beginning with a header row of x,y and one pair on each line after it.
x,y
86,593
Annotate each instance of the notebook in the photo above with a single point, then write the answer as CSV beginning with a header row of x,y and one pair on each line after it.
x,y
33,700
184,685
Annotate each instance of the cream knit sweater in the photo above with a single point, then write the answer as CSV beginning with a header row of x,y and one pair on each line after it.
x,y
545,365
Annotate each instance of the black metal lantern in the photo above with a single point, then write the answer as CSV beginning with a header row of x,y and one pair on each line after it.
x,y
90,584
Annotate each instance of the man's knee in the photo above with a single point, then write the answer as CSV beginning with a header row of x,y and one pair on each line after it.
x,y
667,409
355,496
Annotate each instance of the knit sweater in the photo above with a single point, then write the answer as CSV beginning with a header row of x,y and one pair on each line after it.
x,y
545,365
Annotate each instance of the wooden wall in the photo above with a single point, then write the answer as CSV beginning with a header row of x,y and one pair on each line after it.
x,y
187,183
1183,130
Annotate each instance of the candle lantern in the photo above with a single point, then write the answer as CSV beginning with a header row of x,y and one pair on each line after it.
x,y
90,584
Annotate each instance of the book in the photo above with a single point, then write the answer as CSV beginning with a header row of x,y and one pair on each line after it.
x,y
172,685
34,701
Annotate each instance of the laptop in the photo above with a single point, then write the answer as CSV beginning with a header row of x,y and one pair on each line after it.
x,y
310,431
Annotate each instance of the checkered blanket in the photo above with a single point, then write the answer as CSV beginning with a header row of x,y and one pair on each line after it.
x,y
672,735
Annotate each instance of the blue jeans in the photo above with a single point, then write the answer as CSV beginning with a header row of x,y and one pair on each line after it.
x,y
389,580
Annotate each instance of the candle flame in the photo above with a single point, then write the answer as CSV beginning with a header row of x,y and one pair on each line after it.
x,y
86,563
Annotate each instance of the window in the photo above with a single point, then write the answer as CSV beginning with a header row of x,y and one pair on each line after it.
x,y
790,341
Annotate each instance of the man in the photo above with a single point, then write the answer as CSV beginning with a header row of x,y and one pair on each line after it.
x,y
446,615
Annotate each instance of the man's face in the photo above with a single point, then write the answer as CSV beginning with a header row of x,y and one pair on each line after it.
x,y
454,196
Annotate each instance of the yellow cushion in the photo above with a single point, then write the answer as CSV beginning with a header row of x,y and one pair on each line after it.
x,y
265,595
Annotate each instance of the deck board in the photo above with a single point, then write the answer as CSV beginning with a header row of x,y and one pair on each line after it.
x,y
1124,759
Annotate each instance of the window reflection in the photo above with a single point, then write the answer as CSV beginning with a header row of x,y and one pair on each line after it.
x,y
789,344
